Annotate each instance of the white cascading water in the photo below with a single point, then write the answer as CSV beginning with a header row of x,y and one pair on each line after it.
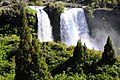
x,y
74,27
44,27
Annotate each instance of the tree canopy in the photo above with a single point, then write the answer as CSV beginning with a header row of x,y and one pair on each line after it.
x,y
109,54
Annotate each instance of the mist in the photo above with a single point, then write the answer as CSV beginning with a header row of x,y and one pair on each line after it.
x,y
102,25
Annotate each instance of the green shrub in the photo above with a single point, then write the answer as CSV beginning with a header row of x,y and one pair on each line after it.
x,y
55,53
31,3
64,76
8,45
57,7
38,3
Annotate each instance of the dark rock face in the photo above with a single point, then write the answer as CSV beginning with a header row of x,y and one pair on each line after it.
x,y
55,23
103,19
103,23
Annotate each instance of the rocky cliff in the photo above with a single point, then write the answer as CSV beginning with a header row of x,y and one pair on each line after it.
x,y
103,23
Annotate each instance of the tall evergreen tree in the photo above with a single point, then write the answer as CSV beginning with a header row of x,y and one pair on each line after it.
x,y
80,56
23,57
40,63
109,54
30,64
79,50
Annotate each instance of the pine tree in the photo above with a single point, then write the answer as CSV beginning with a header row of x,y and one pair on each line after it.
x,y
109,54
22,60
79,50
30,63
41,66
80,56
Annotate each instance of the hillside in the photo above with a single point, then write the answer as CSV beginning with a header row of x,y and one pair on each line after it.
x,y
24,57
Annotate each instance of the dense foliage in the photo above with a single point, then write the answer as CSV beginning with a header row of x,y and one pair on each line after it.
x,y
30,64
102,3
23,57
10,19
115,4
8,45
109,54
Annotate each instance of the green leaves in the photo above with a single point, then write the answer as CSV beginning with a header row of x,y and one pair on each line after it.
x,y
79,50
30,63
109,54
57,7
8,45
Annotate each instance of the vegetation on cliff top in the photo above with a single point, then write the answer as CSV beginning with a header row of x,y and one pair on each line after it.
x,y
22,56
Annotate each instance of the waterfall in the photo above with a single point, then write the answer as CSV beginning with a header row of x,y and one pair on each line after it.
x,y
44,27
74,27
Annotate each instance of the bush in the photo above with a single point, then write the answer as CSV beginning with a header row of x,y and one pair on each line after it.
x,y
57,7
31,3
55,53
64,76
8,46
38,3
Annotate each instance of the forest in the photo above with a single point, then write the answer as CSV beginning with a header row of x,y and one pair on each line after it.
x,y
24,57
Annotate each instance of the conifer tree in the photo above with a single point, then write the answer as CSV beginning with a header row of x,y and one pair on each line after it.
x,y
79,50
22,61
43,71
109,54
79,57
30,63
